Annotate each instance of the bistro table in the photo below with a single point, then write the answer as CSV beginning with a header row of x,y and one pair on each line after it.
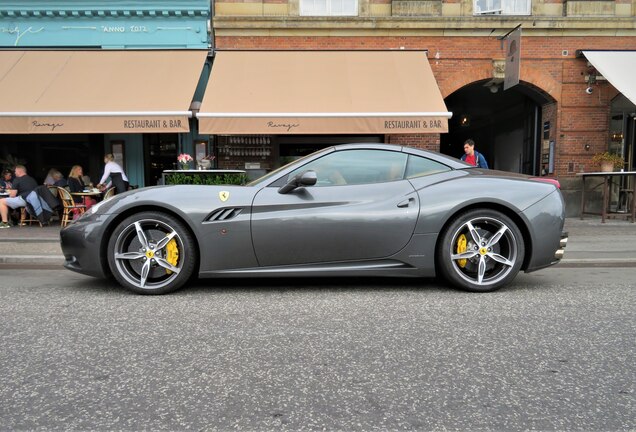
x,y
95,193
608,177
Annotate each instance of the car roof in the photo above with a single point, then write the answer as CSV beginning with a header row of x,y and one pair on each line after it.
x,y
454,163
438,157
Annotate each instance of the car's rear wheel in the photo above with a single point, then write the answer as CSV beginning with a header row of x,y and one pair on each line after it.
x,y
481,250
151,253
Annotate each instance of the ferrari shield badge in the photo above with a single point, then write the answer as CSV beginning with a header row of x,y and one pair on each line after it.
x,y
224,195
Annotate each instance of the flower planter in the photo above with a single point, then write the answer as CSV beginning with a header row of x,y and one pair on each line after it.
x,y
607,166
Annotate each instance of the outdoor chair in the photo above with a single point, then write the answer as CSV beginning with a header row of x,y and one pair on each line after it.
x,y
69,206
26,218
109,194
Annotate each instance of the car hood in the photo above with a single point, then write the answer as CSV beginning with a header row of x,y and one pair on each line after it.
x,y
181,198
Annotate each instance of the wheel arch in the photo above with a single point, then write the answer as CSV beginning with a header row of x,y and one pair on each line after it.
x,y
103,248
513,215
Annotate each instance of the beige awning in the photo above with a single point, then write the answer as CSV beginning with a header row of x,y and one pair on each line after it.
x,y
618,67
322,92
97,91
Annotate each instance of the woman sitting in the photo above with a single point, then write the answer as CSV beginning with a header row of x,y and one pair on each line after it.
x,y
76,184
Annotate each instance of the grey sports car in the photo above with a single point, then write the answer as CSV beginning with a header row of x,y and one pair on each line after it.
x,y
349,210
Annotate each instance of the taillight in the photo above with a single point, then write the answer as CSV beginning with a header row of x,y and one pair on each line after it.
x,y
547,180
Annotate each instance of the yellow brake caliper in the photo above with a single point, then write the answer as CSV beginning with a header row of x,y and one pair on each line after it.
x,y
461,248
172,254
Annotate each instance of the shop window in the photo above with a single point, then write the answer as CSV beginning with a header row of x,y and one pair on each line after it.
x,y
502,7
329,7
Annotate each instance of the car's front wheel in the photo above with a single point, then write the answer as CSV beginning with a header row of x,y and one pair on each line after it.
x,y
151,253
481,250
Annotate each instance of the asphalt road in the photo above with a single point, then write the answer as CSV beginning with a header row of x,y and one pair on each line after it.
x,y
554,351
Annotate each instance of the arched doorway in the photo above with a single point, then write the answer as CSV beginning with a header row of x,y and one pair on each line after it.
x,y
507,126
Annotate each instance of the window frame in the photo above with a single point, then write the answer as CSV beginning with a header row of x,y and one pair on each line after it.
x,y
502,10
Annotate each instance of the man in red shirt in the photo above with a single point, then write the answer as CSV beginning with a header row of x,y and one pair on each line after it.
x,y
472,156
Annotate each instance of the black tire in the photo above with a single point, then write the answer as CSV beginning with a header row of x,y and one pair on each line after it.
x,y
489,255
143,257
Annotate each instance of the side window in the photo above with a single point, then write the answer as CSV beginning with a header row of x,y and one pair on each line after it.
x,y
420,166
353,167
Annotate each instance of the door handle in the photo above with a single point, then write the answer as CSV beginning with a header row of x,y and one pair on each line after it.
x,y
405,203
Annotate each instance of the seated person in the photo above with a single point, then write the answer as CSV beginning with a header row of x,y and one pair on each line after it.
x,y
76,184
76,179
335,177
51,176
57,179
22,186
6,181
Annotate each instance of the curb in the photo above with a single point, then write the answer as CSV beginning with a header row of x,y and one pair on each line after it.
x,y
56,260
29,240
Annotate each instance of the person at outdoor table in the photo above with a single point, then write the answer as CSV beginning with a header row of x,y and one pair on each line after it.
x,y
22,186
116,173
76,184
55,178
6,181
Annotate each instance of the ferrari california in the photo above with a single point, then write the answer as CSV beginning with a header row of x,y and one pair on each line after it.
x,y
348,210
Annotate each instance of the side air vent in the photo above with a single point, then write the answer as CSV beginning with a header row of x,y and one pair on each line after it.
x,y
224,214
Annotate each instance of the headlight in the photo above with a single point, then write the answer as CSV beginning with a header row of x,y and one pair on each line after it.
x,y
93,209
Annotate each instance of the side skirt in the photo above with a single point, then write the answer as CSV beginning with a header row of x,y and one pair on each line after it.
x,y
388,268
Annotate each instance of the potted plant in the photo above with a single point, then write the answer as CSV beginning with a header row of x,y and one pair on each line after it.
x,y
184,160
608,161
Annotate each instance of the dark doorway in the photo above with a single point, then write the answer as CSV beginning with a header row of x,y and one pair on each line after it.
x,y
505,125
622,131
160,153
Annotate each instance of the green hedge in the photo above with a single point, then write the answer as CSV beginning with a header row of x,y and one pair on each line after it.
x,y
206,179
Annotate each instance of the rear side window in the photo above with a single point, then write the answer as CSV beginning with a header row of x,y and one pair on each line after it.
x,y
420,166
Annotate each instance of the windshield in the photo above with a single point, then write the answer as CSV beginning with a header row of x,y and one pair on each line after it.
x,y
274,173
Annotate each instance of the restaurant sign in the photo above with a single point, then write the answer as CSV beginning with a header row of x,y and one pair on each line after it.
x,y
91,124
211,124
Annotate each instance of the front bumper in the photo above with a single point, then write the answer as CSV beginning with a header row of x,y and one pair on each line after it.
x,y
81,244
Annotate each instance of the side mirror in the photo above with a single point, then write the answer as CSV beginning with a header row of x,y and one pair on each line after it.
x,y
306,178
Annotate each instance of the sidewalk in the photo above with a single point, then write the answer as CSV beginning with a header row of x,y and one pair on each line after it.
x,y
31,246
590,243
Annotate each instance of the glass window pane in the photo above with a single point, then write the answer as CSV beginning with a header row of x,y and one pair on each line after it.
x,y
515,7
329,7
420,166
313,7
352,167
487,6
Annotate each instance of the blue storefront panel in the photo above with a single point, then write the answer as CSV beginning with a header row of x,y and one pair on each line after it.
x,y
109,25
114,25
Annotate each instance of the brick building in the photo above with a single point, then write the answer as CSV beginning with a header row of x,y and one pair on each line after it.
x,y
561,113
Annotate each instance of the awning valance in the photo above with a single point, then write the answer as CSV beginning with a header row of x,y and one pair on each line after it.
x,y
322,92
618,67
97,91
